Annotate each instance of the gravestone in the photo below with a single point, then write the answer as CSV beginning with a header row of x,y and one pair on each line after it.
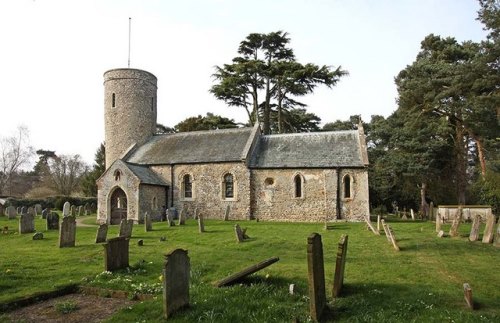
x,y
140,242
195,215
367,220
86,207
316,276
116,253
67,232
23,210
182,217
440,234
386,231
431,211
496,242
2,210
338,279
201,225
489,228
239,233
11,212
27,223
93,207
468,296
126,227
148,224
474,231
38,209
438,221
38,236
226,214
456,223
80,210
404,217
378,223
391,237
53,221
239,276
102,233
175,282
31,211
18,210
170,218
44,213
412,214
66,209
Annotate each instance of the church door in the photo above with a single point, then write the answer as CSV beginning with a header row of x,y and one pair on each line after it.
x,y
118,206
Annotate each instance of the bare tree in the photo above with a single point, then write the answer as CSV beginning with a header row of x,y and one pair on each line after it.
x,y
65,173
15,152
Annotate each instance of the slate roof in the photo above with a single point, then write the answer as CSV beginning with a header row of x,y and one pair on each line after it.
x,y
314,150
146,175
224,145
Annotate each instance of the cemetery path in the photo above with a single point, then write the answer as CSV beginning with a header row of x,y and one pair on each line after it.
x,y
79,223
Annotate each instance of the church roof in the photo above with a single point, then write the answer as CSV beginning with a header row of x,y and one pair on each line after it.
x,y
146,175
313,149
225,145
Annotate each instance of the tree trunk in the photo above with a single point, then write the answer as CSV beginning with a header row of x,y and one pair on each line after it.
x,y
461,162
280,117
424,207
480,153
267,110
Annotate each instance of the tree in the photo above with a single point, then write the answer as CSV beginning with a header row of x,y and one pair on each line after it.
x,y
42,165
294,120
15,153
351,124
209,122
65,173
266,75
161,129
88,182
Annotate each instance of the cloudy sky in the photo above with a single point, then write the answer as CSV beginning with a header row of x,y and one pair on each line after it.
x,y
53,55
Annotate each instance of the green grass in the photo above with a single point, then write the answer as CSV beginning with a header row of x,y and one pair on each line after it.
x,y
420,283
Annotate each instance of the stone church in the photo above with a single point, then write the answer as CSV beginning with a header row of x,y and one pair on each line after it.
x,y
319,176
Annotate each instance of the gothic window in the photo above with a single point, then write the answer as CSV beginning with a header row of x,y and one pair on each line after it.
x,y
228,186
298,183
117,175
113,100
187,188
347,186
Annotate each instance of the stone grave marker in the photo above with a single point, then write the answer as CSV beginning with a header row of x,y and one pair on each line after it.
x,y
412,214
126,227
31,211
239,276
496,242
18,210
468,296
23,210
367,220
27,223
67,232
38,209
148,224
38,236
175,282
378,223
170,218
338,278
456,223
2,210
316,276
239,233
182,217
431,211
86,207
489,228
226,214
93,207
201,224
393,238
80,210
440,234
474,231
66,209
116,253
404,217
44,213
11,212
102,233
195,215
386,231
438,221
53,221
72,210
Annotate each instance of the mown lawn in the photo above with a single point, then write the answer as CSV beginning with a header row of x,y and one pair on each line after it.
x,y
420,283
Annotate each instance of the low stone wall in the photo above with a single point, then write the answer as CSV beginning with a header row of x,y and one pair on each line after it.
x,y
448,212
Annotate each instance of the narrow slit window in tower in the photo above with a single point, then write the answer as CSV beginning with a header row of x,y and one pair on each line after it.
x,y
298,186
347,187
152,103
113,100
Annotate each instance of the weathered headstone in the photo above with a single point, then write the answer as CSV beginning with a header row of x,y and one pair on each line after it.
x,y
392,237
27,223
72,210
182,217
175,282
126,227
404,217
496,242
53,221
66,209
11,212
18,210
80,210
44,213
38,236
474,231
438,222
316,276
291,289
239,233
378,223
102,233
237,277
86,207
201,224
23,210
386,231
412,214
468,296
195,215
338,279
38,209
431,211
148,224
170,218
116,253
2,210
31,211
367,220
489,228
440,234
67,232
93,207
226,214
456,223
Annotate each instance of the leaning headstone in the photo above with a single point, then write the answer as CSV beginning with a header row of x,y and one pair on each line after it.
x,y
44,213
148,224
338,279
116,253
175,282
392,238
226,214
66,209
38,209
182,217
38,236
201,225
126,227
489,228
496,242
52,221
440,234
239,276
72,210
468,296
386,230
474,231
316,276
102,233
239,233
67,232
412,214
438,221
456,223
80,210
27,223
11,212
367,220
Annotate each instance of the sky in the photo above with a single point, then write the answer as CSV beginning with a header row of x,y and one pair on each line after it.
x,y
53,55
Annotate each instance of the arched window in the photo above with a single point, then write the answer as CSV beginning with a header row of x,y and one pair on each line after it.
x,y
347,186
117,175
298,185
154,204
187,186
228,186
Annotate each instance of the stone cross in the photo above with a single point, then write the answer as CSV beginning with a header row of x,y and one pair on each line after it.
x,y
496,242
66,209
148,224
52,221
126,227
468,296
102,233
474,231
490,227
456,223
67,232
226,214
175,282
27,223
201,225
11,212
316,276
116,253
338,279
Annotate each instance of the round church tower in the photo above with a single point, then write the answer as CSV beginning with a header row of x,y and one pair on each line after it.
x,y
129,110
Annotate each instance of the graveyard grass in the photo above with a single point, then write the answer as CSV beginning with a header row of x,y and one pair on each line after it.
x,y
423,282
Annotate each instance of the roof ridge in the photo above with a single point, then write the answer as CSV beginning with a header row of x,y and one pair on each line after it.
x,y
203,132
297,134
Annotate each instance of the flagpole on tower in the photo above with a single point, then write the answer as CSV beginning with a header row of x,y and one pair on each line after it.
x,y
129,30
